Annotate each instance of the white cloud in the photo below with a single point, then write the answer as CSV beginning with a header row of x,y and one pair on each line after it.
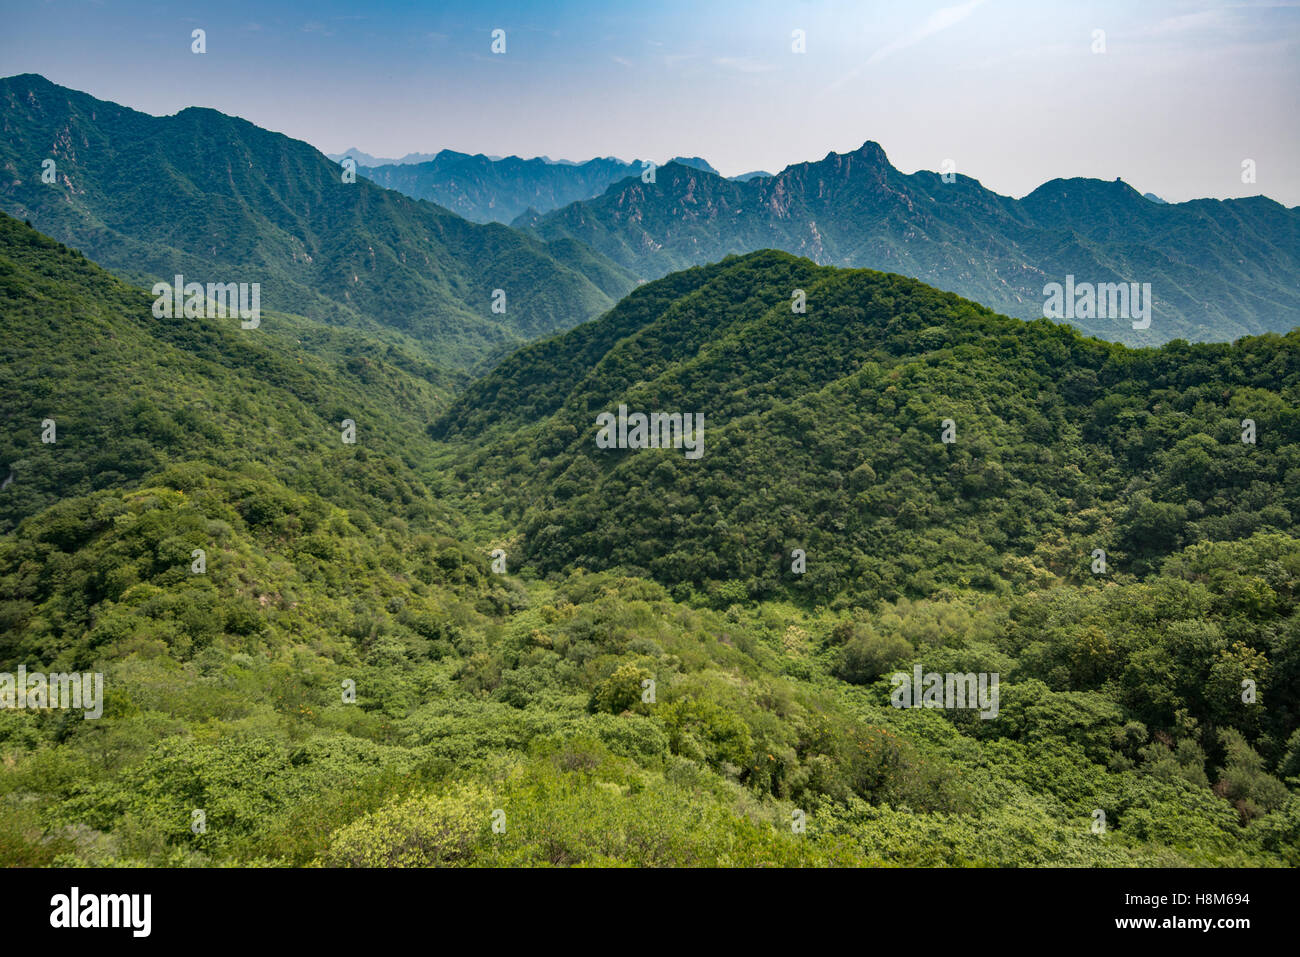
x,y
936,22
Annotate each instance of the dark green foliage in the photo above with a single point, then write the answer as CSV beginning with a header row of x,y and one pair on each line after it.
x,y
823,432
130,393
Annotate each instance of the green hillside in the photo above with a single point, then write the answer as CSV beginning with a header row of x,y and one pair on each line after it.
x,y
824,432
506,719
130,394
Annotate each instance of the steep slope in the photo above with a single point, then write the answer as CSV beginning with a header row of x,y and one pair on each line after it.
x,y
1218,269
215,198
825,431
128,393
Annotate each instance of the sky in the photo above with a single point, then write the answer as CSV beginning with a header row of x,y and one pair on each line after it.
x,y
1172,96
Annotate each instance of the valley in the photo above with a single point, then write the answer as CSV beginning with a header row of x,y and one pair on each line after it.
x,y
472,686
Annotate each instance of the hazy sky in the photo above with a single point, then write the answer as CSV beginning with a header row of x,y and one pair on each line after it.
x,y
1010,90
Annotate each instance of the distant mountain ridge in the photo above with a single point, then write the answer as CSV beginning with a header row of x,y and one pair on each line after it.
x,y
695,162
487,189
217,199
365,159
1219,269
483,189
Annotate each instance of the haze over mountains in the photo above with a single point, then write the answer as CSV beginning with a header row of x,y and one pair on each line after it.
x,y
500,189
1217,269
365,159
217,199
486,190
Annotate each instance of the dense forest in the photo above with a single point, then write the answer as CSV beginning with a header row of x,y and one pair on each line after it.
x,y
825,432
354,679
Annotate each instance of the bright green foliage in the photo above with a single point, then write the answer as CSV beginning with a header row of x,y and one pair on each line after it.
x,y
622,690
421,832
334,569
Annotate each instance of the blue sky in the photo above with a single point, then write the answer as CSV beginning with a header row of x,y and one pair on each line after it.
x,y
1010,90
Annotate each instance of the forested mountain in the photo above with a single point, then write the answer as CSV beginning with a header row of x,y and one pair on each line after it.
x,y
348,681
129,393
486,190
824,433
217,199
1218,269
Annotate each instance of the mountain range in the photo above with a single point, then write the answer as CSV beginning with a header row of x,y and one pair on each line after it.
x,y
486,190
365,159
217,199
210,196
1217,269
